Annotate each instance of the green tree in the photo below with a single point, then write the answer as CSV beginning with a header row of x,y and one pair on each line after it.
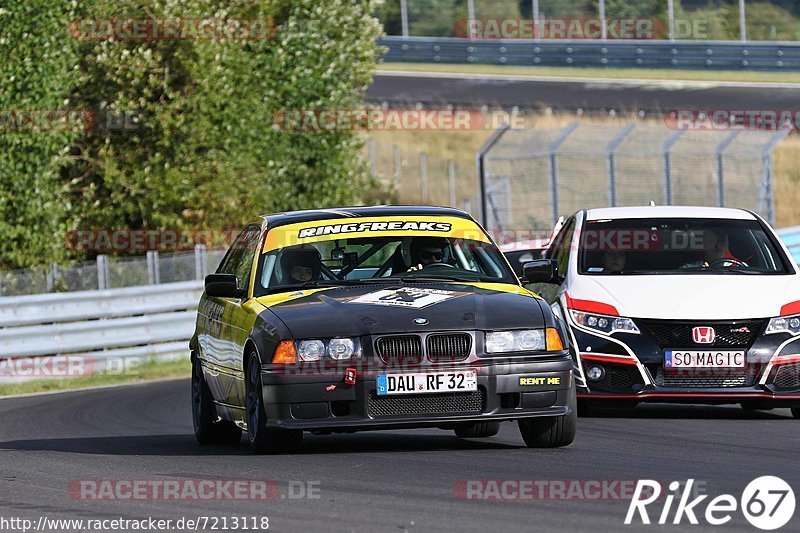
x,y
36,74
204,153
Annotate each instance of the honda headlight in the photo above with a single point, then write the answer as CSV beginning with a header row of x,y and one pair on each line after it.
x,y
784,324
525,340
604,323
338,348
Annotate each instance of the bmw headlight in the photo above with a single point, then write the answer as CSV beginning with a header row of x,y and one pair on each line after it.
x,y
603,323
338,348
341,348
784,324
525,340
311,350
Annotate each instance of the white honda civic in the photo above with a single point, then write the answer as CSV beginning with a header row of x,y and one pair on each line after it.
x,y
677,304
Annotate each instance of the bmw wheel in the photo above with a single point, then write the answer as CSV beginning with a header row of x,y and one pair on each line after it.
x,y
551,431
207,430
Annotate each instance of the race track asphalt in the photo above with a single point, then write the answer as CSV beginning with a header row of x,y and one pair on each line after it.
x,y
390,481
569,95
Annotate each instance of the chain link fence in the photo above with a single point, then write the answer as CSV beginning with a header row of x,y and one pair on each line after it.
x,y
530,177
113,272
419,178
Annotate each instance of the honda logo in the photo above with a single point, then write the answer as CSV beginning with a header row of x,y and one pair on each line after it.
x,y
703,335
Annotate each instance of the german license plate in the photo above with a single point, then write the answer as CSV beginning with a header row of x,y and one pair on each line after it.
x,y
419,383
703,359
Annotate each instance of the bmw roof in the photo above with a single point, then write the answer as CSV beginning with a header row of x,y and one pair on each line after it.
x,y
290,217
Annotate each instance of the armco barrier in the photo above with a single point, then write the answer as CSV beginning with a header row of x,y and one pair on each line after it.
x,y
791,238
710,55
131,323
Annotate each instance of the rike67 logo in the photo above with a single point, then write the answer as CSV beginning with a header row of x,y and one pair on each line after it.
x,y
767,502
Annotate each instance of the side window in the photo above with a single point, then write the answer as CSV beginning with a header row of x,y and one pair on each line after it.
x,y
239,259
560,250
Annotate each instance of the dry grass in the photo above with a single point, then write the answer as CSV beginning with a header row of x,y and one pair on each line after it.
x,y
462,146
589,72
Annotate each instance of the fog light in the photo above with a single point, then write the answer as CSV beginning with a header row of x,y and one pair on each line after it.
x,y
596,373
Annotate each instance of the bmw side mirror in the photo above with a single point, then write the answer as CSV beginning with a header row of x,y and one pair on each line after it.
x,y
540,271
224,286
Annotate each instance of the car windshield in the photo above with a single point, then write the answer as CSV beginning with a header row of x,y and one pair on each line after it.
x,y
381,259
678,246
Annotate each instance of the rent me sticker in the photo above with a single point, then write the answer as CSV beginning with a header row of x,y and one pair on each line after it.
x,y
412,297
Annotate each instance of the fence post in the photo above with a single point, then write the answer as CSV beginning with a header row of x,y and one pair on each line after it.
x,y
611,163
601,8
451,179
423,175
471,17
51,277
742,22
766,179
398,163
671,19
153,274
200,261
102,272
720,167
404,17
553,167
668,144
537,32
480,166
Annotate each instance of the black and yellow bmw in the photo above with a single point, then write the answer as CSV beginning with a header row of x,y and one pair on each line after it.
x,y
376,318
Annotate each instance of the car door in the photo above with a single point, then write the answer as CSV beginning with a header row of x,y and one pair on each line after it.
x,y
234,321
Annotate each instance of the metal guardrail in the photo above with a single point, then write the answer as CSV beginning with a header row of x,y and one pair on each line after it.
x,y
709,55
791,238
100,327
87,305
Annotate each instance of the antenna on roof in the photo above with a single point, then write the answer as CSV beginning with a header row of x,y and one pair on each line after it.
x,y
652,203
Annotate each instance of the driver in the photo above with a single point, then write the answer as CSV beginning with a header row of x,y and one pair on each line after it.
x,y
300,265
715,249
427,251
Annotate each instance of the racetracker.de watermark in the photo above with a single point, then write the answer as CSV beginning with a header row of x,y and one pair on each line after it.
x,y
66,366
126,240
394,119
191,489
579,28
547,489
76,120
188,29
732,119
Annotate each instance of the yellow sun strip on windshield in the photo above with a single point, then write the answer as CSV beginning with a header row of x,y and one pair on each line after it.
x,y
364,227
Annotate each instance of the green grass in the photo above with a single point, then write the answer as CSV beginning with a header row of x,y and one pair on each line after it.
x,y
620,73
144,372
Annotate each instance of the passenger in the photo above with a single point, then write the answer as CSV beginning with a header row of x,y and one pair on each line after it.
x,y
613,261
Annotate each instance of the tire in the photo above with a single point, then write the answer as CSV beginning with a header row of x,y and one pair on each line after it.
x,y
207,430
262,438
478,430
551,431
796,412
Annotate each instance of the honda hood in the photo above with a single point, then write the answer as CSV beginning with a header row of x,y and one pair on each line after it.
x,y
690,297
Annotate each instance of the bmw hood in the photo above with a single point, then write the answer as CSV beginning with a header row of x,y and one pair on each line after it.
x,y
691,297
372,309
